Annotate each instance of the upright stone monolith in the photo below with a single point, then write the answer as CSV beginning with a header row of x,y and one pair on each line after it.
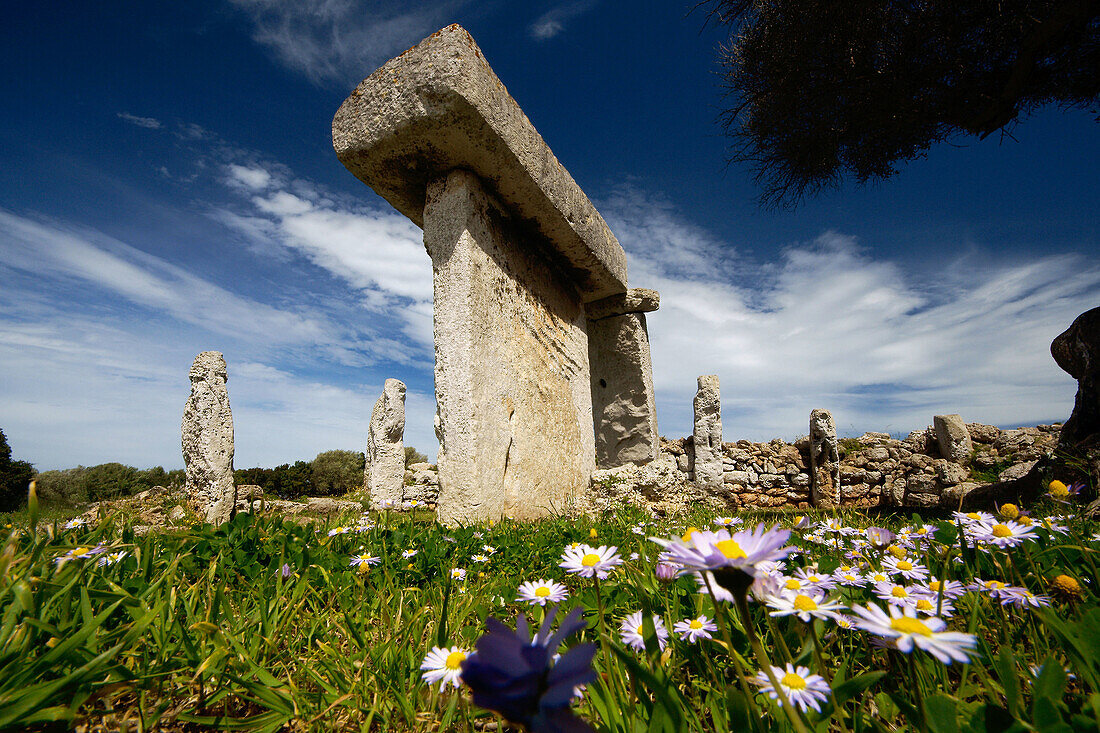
x,y
824,460
623,409
384,475
708,435
207,436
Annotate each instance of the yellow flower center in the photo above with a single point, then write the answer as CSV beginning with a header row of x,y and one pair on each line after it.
x,y
730,549
896,551
1057,488
814,579
454,660
793,681
1066,584
899,592
879,577
640,632
590,559
1026,521
1001,530
805,603
80,550
793,584
994,585
935,585
592,533
924,605
1009,511
973,515
922,530
696,624
542,592
689,533
904,565
908,625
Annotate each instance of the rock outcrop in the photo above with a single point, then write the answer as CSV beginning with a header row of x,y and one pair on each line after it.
x,y
824,460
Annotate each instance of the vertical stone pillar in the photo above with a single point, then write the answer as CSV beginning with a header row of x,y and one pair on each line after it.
x,y
824,460
623,409
511,363
207,438
708,434
384,474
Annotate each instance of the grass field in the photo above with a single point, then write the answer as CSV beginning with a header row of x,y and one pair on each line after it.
x,y
269,624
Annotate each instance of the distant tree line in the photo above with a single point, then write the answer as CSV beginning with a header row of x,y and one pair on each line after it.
x,y
331,473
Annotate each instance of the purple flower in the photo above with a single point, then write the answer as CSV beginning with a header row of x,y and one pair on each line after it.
x,y
516,675
666,572
286,571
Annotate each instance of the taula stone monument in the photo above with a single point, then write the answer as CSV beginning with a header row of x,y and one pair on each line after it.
x,y
824,460
518,252
1077,351
207,436
384,475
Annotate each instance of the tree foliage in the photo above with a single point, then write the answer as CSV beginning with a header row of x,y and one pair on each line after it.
x,y
820,89
412,455
15,477
337,472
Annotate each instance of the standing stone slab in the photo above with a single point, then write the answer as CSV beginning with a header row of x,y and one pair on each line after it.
x,y
953,438
824,460
708,435
623,408
384,475
511,364
516,248
207,436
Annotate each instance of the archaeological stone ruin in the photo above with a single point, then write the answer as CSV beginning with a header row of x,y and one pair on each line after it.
x,y
384,473
824,460
525,274
207,437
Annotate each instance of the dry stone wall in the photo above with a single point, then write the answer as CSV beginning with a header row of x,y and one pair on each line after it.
x,y
875,469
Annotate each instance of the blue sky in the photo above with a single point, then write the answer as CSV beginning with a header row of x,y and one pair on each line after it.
x,y
168,186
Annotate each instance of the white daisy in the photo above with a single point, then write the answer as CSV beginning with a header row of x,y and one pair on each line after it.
x,y
632,630
541,592
804,690
444,666
902,627
587,561
692,630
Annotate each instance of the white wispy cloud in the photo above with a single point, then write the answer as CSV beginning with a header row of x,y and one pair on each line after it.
x,y
45,249
150,123
831,325
552,22
379,253
342,40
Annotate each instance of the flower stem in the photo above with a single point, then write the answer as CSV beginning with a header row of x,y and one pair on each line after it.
x,y
762,657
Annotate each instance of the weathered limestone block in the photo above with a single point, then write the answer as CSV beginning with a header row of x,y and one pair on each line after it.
x,y
949,473
953,437
623,407
824,460
207,437
511,364
1077,351
384,474
708,434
